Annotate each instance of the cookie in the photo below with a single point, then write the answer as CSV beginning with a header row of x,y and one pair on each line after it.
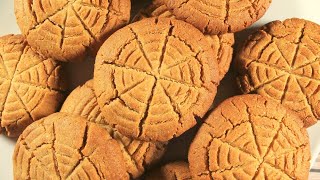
x,y
68,30
281,61
153,77
218,17
157,8
222,45
62,146
173,171
31,86
250,137
137,154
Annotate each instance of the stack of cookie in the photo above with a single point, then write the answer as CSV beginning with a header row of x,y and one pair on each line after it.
x,y
152,79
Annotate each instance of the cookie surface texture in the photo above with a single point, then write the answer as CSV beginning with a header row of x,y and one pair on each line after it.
x,y
32,86
222,45
151,82
137,154
281,62
249,137
172,171
219,17
67,30
61,146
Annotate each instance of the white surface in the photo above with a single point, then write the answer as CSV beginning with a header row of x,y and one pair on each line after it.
x,y
279,10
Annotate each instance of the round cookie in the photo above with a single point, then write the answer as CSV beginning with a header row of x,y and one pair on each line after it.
x,y
68,30
218,17
62,146
281,61
31,86
152,82
173,171
250,137
222,45
137,154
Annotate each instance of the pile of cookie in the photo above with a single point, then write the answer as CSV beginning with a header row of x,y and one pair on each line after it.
x,y
153,78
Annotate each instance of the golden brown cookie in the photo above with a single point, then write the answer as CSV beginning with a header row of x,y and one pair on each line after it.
x,y
157,8
67,30
281,61
137,154
31,86
221,44
250,137
152,82
218,17
63,146
173,171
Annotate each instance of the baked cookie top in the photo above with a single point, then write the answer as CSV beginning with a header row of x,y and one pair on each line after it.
x,y
62,146
173,171
67,30
218,17
137,154
222,45
281,61
31,86
249,137
153,77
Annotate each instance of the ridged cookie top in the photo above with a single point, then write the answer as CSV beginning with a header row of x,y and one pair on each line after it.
x,y
68,29
137,154
152,77
281,61
31,86
61,146
221,44
173,171
219,16
249,137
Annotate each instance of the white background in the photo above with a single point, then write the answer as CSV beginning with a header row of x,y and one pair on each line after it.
x,y
279,10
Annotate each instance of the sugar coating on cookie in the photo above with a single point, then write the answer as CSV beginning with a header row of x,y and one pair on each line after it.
x,y
137,154
67,30
219,16
222,45
153,77
250,137
62,146
173,171
32,86
281,62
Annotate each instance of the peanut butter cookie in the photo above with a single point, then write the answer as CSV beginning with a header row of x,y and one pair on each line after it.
x,y
281,61
62,146
153,77
222,45
137,154
31,86
219,17
250,137
67,30
172,171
